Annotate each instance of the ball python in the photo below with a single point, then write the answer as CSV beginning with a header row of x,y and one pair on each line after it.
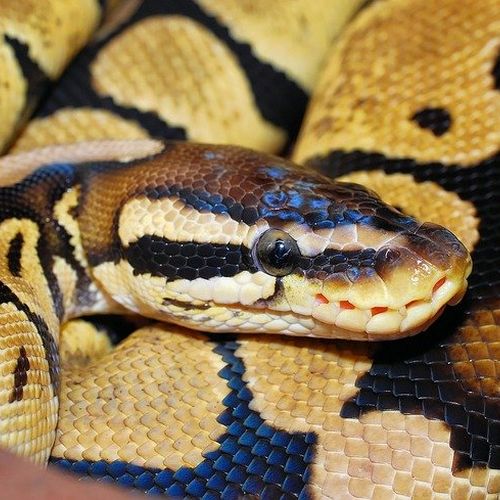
x,y
177,412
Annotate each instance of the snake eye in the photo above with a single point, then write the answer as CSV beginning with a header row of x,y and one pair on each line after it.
x,y
277,252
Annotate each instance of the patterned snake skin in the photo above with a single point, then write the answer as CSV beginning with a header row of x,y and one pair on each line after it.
x,y
407,104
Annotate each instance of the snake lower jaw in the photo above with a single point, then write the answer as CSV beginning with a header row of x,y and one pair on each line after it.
x,y
335,320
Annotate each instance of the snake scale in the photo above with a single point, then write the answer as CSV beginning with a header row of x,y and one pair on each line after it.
x,y
228,245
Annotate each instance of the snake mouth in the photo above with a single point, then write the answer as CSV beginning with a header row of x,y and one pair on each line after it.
x,y
386,323
330,320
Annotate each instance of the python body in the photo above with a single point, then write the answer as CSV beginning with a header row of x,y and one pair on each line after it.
x,y
178,412
248,243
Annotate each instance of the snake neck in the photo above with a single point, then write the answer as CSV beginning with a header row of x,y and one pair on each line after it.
x,y
44,280
42,245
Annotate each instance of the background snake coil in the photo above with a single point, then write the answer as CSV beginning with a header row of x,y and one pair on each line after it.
x,y
98,216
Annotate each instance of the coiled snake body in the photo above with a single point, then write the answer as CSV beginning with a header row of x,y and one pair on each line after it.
x,y
222,239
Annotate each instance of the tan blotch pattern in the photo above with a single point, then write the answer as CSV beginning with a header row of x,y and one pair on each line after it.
x,y
63,214
31,286
49,29
27,425
301,386
81,343
12,93
75,125
426,201
378,77
292,36
154,402
174,67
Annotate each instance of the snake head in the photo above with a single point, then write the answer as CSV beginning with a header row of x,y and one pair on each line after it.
x,y
224,239
355,267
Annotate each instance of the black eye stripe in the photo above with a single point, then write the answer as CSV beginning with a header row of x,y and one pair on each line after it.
x,y
189,260
186,260
437,120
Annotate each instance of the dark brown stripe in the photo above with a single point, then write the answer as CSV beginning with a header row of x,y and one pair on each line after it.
x,y
14,254
37,80
190,260
48,342
20,376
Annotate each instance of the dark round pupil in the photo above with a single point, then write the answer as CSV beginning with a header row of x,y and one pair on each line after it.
x,y
277,252
280,255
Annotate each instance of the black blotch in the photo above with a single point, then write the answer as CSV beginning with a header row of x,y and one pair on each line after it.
x,y
38,80
251,458
73,211
20,376
14,255
496,72
423,361
437,120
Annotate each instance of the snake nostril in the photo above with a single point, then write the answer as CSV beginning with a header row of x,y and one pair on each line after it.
x,y
391,254
386,260
388,255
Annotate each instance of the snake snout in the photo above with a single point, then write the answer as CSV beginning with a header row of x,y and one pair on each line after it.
x,y
440,246
427,271
449,255
417,273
